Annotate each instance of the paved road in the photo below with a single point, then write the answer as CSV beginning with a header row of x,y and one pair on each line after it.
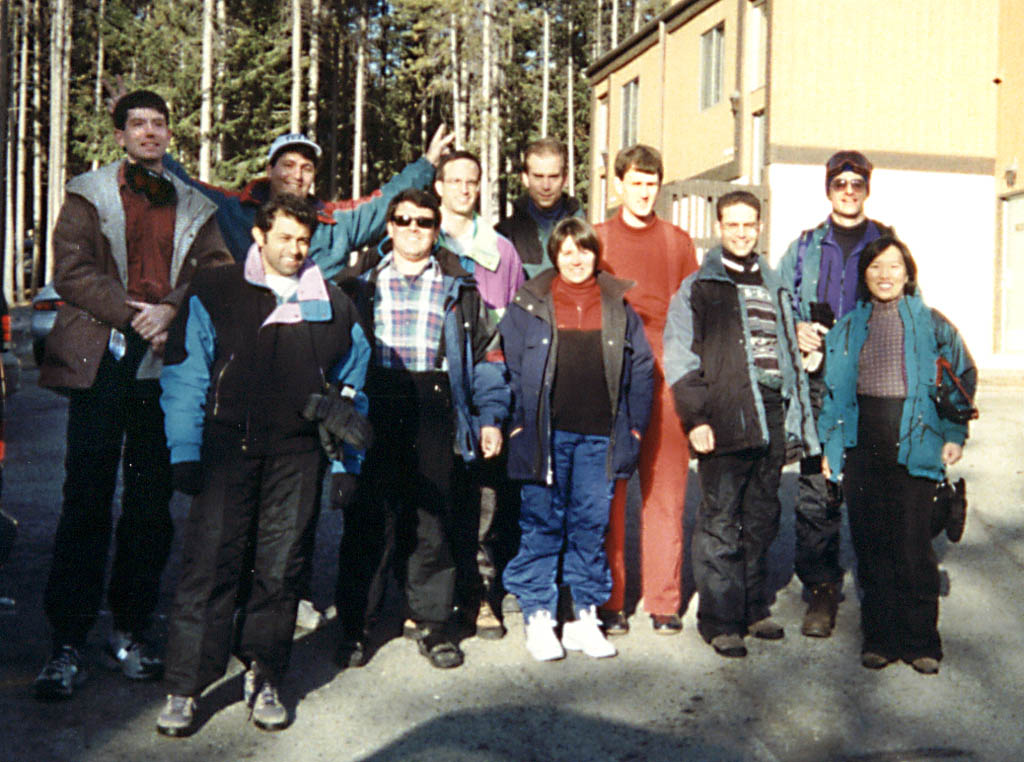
x,y
662,698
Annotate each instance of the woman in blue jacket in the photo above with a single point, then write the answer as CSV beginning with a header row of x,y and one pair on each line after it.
x,y
582,378
881,429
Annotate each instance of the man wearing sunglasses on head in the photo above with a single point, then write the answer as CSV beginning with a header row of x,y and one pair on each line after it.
x,y
820,269
437,397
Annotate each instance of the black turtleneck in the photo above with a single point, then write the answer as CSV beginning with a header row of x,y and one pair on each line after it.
x,y
848,238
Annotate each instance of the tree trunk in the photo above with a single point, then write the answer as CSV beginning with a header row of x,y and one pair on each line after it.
x,y
9,170
296,64
332,125
100,52
4,92
206,93
615,23
453,40
570,118
38,234
55,165
357,115
485,103
545,76
597,29
221,34
20,159
314,68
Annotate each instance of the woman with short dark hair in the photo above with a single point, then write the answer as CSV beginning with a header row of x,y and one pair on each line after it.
x,y
880,428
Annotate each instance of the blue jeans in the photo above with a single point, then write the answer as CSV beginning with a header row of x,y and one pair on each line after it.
x,y
573,512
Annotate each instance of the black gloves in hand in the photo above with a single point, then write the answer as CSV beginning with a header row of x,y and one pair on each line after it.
x,y
340,419
187,477
343,489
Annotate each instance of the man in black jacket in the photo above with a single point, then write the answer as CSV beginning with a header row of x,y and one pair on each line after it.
x,y
732,360
543,206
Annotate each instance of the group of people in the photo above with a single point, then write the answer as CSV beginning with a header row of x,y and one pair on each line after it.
x,y
475,401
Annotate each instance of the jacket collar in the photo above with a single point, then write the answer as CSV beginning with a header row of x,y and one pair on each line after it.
x,y
536,290
310,303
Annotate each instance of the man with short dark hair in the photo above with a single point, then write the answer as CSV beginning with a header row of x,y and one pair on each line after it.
x,y
437,393
263,356
542,206
489,522
732,362
127,243
657,256
820,270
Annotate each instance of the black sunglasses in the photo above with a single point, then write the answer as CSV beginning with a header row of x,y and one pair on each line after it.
x,y
423,223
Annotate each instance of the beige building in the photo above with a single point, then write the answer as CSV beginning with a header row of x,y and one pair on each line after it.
x,y
761,92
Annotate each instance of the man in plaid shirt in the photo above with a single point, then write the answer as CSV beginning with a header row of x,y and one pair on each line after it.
x,y
438,398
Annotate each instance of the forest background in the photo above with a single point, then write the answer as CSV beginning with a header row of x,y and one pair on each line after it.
x,y
370,79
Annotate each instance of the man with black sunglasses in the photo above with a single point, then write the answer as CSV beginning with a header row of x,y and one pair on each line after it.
x,y
820,270
127,243
437,397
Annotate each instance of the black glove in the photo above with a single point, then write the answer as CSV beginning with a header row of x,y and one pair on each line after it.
x,y
187,477
340,418
343,489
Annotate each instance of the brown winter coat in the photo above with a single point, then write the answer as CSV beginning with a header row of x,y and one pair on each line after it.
x,y
90,272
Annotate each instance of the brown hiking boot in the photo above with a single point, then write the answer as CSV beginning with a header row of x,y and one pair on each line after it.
x,y
821,612
488,626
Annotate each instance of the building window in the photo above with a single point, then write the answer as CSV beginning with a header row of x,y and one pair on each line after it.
x,y
757,35
630,91
712,66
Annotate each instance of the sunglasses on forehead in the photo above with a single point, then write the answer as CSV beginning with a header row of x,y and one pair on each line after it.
x,y
423,223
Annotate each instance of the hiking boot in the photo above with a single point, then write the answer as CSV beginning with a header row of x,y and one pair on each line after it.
x,y
61,675
268,713
614,622
307,617
178,717
729,645
821,611
584,634
438,647
874,660
135,657
488,626
926,665
766,629
541,641
666,624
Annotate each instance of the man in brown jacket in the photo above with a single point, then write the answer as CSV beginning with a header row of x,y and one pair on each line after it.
x,y
127,242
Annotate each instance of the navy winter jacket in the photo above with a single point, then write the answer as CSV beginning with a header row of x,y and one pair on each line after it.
x,y
480,393
926,334
530,344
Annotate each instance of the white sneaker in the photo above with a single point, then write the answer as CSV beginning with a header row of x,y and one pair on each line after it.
x,y
541,641
585,635
307,617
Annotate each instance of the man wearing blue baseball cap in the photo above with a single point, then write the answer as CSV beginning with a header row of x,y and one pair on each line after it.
x,y
291,168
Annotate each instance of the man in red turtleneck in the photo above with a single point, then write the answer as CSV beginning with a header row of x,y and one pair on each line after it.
x,y
657,255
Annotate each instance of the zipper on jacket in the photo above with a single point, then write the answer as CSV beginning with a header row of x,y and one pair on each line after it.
x,y
216,388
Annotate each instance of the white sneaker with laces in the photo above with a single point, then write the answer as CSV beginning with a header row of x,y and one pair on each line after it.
x,y
541,641
585,635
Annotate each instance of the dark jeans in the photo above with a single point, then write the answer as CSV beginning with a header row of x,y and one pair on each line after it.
x,y
117,420
270,500
402,514
818,513
890,523
487,530
737,520
571,513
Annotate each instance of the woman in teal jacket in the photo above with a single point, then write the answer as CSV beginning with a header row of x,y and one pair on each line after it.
x,y
881,430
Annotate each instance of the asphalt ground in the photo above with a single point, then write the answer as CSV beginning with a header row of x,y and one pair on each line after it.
x,y
661,698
